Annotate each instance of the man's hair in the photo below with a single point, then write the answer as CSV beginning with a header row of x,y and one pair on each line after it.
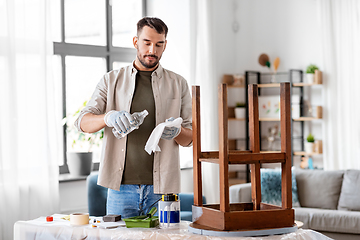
x,y
155,23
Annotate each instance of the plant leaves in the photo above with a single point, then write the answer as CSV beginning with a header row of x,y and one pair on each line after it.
x,y
268,64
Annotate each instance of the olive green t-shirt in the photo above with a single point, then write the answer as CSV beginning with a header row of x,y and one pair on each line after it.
x,y
138,163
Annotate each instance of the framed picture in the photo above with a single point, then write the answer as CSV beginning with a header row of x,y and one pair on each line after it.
x,y
269,107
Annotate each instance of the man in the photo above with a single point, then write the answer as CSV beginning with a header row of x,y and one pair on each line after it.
x,y
135,179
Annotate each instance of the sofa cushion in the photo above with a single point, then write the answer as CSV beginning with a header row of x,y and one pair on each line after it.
x,y
326,220
335,221
350,191
271,187
319,188
303,215
240,193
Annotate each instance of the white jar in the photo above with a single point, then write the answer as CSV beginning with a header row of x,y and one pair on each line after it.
x,y
169,211
310,78
309,147
240,112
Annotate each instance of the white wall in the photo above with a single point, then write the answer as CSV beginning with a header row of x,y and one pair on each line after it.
x,y
225,42
280,28
286,29
176,15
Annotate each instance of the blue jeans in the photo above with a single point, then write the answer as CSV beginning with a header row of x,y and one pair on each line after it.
x,y
131,200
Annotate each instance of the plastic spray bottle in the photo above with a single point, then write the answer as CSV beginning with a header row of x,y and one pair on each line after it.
x,y
138,120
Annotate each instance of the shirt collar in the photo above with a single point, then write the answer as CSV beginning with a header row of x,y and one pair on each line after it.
x,y
133,68
158,71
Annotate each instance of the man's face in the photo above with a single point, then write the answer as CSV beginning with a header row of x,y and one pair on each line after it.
x,y
150,46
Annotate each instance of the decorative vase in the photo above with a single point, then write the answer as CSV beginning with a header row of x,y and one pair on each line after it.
x,y
310,78
240,112
79,163
273,78
228,79
309,147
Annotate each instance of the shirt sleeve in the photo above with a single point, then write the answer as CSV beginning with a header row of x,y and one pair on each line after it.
x,y
186,107
97,103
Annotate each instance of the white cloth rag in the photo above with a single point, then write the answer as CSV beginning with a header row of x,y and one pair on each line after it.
x,y
152,143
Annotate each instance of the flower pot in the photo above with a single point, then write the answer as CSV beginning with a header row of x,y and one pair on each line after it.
x,y
240,112
309,147
79,163
310,78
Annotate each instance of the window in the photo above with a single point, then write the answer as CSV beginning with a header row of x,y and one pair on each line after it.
x,y
85,22
123,22
91,37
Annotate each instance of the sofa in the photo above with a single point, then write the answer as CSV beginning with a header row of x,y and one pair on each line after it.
x,y
97,196
325,201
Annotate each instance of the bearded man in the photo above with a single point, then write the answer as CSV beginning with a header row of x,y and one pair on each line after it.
x,y
135,179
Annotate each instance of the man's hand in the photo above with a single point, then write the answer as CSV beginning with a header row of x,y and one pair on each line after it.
x,y
170,132
120,120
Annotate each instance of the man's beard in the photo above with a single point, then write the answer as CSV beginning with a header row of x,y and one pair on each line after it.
x,y
148,65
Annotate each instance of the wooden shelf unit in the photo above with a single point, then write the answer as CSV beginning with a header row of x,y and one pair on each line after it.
x,y
277,119
306,119
299,85
236,119
303,153
268,85
300,122
236,86
294,119
297,153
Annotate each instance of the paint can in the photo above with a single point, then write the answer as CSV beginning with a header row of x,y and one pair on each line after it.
x,y
169,211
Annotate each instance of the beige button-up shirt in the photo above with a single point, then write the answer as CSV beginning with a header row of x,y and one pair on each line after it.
x,y
172,99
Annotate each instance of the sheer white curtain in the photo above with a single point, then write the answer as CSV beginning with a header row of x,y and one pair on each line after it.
x,y
28,139
202,74
340,24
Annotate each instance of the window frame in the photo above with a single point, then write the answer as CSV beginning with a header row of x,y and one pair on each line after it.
x,y
109,52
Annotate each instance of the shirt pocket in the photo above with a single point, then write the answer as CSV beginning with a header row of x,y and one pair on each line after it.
x,y
172,108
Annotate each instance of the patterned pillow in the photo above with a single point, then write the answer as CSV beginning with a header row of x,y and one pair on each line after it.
x,y
271,187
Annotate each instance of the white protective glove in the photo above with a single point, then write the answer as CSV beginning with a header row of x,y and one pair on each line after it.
x,y
120,120
170,132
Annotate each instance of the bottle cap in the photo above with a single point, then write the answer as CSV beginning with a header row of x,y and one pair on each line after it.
x,y
145,113
169,197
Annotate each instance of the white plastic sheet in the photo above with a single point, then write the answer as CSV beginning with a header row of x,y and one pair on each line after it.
x,y
59,229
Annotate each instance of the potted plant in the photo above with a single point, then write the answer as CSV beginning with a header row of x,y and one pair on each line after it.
x,y
80,146
309,145
240,110
310,73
